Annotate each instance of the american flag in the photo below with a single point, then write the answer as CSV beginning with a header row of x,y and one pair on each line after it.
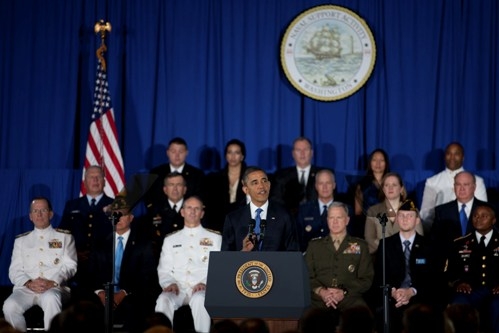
x,y
102,145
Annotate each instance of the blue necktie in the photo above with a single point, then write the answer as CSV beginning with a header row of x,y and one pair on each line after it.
x,y
117,263
258,220
464,219
407,254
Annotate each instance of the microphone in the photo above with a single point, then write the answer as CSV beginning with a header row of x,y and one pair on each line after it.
x,y
114,217
251,230
263,226
382,218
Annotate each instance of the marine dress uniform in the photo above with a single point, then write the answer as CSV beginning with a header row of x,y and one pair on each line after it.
x,y
47,253
349,268
184,261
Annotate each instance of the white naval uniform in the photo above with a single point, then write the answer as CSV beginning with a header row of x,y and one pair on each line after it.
x,y
47,253
184,261
439,189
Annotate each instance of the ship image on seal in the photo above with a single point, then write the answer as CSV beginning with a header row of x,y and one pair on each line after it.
x,y
328,52
325,43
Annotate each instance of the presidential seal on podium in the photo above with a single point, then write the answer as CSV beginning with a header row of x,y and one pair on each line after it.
x,y
328,53
254,279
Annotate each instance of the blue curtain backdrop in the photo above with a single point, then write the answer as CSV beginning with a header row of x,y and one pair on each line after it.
x,y
209,71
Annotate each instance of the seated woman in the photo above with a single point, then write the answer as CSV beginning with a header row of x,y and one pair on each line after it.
x,y
392,195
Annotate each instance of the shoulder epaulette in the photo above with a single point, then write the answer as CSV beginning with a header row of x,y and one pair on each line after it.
x,y
462,237
24,234
64,231
214,231
173,232
316,238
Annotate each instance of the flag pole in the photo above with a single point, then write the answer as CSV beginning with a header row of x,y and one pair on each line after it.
x,y
102,28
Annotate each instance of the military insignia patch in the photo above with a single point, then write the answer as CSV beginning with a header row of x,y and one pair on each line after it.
x,y
55,244
206,242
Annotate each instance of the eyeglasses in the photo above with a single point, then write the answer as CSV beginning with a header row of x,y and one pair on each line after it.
x,y
36,211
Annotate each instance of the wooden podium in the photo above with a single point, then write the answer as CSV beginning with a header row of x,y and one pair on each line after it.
x,y
273,286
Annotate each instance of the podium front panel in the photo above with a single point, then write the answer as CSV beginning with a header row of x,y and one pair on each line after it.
x,y
288,296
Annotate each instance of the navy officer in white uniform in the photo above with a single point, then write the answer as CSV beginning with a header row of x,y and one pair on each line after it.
x,y
183,265
42,261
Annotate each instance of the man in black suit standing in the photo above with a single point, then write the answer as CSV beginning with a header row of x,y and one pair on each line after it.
x,y
452,220
261,225
408,265
296,184
136,284
177,153
86,218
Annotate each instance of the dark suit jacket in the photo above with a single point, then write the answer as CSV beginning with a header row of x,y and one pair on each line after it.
x,y
280,234
421,266
287,189
138,274
217,199
447,227
138,277
310,224
192,175
88,226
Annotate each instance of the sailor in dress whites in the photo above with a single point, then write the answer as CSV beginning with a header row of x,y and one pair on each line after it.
x,y
42,261
183,266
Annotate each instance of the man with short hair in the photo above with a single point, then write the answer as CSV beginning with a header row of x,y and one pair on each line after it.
x,y
409,267
261,225
473,268
452,220
439,189
176,152
339,265
312,215
294,185
43,260
86,218
183,266
164,217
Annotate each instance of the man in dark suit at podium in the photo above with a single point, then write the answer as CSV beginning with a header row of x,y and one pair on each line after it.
x,y
296,184
86,219
261,225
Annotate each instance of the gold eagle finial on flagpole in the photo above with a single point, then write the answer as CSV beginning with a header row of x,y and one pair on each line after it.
x,y
101,27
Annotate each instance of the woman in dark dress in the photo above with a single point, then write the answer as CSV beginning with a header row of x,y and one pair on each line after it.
x,y
224,190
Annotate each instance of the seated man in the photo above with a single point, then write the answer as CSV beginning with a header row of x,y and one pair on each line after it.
x,y
339,265
183,266
135,278
473,268
409,270
42,261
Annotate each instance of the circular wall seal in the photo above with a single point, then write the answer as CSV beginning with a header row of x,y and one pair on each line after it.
x,y
328,52
254,279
